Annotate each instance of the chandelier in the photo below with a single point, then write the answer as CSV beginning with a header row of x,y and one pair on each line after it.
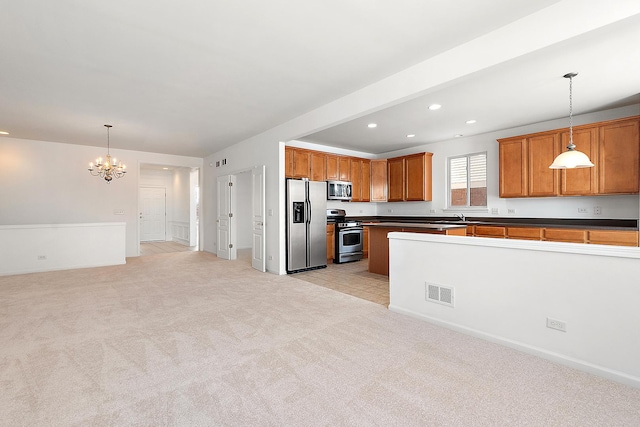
x,y
110,168
571,158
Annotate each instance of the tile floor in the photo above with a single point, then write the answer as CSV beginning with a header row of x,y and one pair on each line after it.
x,y
351,278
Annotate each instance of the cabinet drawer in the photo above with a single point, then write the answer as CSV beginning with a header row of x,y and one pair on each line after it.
x,y
490,231
526,233
613,237
565,235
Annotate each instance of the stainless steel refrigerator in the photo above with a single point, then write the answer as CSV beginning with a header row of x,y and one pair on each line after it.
x,y
306,225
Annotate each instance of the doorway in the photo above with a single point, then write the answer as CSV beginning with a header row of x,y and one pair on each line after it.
x,y
240,215
169,206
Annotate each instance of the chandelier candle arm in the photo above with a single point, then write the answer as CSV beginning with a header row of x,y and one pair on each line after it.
x,y
111,168
572,158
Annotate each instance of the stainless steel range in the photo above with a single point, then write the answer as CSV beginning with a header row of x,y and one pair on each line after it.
x,y
349,237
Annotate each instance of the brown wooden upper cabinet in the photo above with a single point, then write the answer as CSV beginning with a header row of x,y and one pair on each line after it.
x,y
361,180
332,167
409,178
379,180
344,168
618,152
318,166
613,146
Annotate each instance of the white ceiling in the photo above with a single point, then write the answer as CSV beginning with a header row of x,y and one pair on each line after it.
x,y
194,77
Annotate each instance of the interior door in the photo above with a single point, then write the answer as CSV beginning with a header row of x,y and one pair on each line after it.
x,y
258,246
152,214
225,221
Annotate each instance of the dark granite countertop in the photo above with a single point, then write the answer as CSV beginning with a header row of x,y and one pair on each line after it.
x,y
600,224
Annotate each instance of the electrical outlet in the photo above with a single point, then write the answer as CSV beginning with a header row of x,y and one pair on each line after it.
x,y
390,210
42,257
432,211
556,324
597,210
270,212
270,257
495,211
583,210
511,211
118,211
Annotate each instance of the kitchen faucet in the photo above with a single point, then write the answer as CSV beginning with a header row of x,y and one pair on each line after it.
x,y
461,216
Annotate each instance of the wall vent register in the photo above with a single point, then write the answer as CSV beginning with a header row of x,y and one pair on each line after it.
x,y
439,294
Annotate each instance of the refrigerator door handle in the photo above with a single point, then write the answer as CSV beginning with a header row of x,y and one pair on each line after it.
x,y
309,210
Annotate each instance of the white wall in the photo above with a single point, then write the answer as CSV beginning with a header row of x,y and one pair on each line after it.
x,y
504,291
48,183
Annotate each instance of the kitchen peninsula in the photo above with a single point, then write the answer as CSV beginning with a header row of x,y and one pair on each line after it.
x,y
617,232
379,244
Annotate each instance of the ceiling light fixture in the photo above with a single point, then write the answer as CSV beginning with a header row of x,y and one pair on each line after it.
x,y
458,135
372,125
410,135
571,158
111,168
433,107
470,122
3,132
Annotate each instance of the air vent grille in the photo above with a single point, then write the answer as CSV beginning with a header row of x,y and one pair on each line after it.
x,y
439,294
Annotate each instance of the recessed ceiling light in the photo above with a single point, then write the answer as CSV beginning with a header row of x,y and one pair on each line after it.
x,y
410,135
3,132
435,107
458,135
166,169
470,122
372,125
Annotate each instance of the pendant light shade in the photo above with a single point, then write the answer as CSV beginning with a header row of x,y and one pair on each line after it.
x,y
572,158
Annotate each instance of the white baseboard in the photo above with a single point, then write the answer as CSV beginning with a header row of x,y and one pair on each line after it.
x,y
562,359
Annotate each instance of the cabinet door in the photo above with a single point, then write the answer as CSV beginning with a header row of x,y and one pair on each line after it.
x,y
356,180
331,241
379,180
318,166
618,158
418,177
288,162
301,163
565,235
395,179
366,180
581,181
613,237
541,152
332,167
513,167
344,168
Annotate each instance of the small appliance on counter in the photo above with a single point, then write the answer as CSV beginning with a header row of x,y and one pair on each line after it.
x,y
339,190
306,225
349,237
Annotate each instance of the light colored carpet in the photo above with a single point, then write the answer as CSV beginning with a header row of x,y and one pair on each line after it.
x,y
186,339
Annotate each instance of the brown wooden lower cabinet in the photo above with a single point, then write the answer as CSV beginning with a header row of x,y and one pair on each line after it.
x,y
569,235
490,231
613,237
524,233
331,242
565,235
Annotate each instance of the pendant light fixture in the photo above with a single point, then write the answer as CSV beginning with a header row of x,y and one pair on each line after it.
x,y
571,158
110,168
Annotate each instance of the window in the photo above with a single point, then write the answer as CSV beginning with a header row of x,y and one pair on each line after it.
x,y
468,180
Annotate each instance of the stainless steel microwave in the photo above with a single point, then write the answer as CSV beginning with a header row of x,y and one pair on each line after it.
x,y
338,190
